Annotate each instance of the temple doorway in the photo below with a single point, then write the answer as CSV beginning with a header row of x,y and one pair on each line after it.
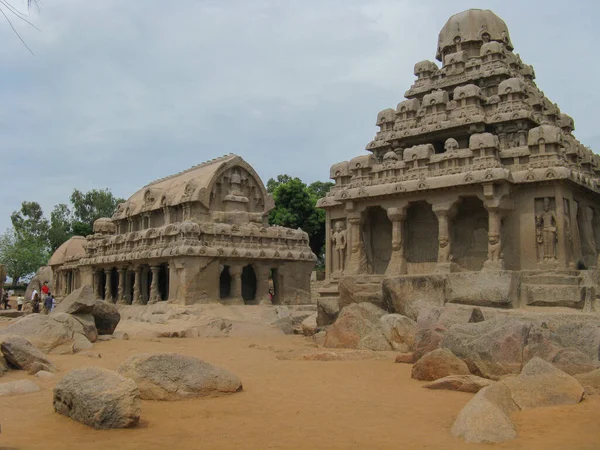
x,y
101,284
275,285
421,233
163,281
248,285
469,233
377,236
225,283
114,284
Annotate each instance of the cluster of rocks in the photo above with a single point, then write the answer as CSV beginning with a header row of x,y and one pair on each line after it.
x,y
531,359
104,399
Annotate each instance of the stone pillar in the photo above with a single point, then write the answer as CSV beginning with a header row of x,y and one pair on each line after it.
x,y
107,293
495,259
262,285
328,250
355,253
154,292
137,287
236,283
560,232
121,292
444,212
397,264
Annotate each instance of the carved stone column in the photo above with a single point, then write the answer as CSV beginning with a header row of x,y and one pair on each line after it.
x,y
121,292
154,292
107,293
397,264
262,285
95,282
137,287
495,259
444,212
355,253
236,283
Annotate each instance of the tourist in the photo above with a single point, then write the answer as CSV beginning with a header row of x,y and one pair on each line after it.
x,y
45,291
5,300
53,302
48,303
33,294
36,302
20,303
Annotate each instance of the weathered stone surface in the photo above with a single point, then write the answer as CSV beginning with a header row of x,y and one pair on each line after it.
x,y
44,374
80,301
39,366
483,420
309,325
541,384
408,295
18,387
399,331
359,290
573,361
353,323
405,358
495,346
336,355
590,382
461,383
89,326
438,364
3,366
170,376
376,341
106,316
44,273
98,398
327,311
21,354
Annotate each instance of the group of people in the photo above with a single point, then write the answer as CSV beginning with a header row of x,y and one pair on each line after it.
x,y
46,301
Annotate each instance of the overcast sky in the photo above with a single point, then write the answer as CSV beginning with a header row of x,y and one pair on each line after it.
x,y
120,93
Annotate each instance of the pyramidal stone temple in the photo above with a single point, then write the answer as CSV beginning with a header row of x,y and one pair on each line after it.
x,y
474,189
199,236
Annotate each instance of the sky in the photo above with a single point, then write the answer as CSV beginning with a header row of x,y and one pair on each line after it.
x,y
120,93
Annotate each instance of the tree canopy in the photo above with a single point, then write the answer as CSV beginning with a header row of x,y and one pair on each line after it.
x,y
295,207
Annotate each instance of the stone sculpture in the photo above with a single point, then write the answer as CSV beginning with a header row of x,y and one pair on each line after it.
x,y
546,232
338,238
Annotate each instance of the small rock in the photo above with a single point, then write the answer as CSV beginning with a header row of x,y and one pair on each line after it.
x,y
376,341
399,331
44,374
98,398
105,337
590,381
18,387
121,335
309,325
38,366
461,383
319,338
438,364
3,366
573,361
19,353
405,358
92,355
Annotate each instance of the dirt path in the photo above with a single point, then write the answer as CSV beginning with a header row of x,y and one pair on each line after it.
x,y
371,404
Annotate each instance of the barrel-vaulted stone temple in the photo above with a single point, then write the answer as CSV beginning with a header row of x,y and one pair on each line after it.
x,y
199,236
474,189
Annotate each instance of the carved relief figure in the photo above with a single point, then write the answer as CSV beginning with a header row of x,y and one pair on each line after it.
x,y
339,242
444,254
494,247
546,227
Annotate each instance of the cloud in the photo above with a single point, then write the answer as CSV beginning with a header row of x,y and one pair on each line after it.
x,y
121,93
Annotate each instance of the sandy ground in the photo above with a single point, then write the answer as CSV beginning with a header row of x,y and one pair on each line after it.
x,y
286,404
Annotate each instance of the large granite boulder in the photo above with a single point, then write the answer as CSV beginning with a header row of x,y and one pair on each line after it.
x,y
106,316
409,295
18,387
20,354
89,326
170,376
328,310
360,290
573,361
80,301
98,398
309,325
438,364
399,331
461,383
354,323
590,382
44,273
54,333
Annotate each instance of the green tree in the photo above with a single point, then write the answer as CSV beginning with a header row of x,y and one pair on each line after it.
x,y
61,226
295,207
22,255
90,206
320,188
29,222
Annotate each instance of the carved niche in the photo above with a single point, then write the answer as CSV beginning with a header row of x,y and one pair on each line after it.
x,y
546,228
239,186
339,244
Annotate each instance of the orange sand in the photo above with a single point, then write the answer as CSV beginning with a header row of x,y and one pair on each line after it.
x,y
371,404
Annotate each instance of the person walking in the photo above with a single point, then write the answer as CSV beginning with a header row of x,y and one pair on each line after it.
x,y
45,291
48,303
20,303
36,303
5,300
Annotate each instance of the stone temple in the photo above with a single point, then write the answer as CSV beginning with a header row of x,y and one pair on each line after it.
x,y
474,189
199,236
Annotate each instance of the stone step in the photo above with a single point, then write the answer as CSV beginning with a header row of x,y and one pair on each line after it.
x,y
328,291
554,295
552,279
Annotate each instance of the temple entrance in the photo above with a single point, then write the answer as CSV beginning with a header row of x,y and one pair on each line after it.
x,y
130,285
248,285
225,283
163,282
101,284
114,284
421,244
377,236
470,234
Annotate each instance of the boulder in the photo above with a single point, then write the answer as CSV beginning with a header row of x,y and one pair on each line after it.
x,y
354,323
399,331
327,311
461,383
309,325
80,301
40,367
170,376
590,382
438,364
21,354
494,346
106,316
541,384
484,419
405,358
408,295
3,366
44,273
18,387
375,341
47,332
357,289
573,361
89,326
44,374
541,342
98,398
